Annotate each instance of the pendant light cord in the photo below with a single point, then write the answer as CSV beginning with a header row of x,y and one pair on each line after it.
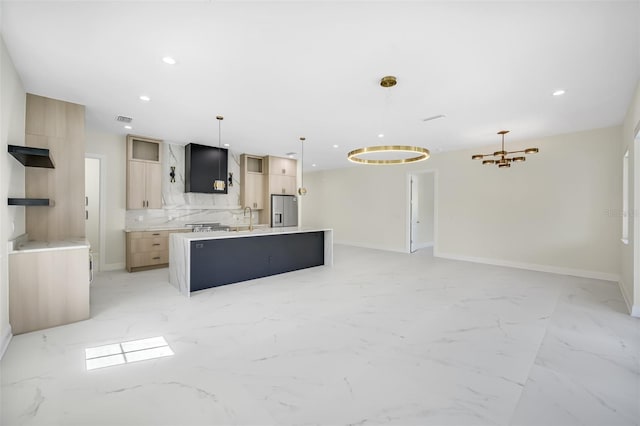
x,y
219,118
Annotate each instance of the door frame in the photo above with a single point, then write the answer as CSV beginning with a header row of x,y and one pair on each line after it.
x,y
408,209
102,211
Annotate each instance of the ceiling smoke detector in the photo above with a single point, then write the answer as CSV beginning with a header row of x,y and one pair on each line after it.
x,y
124,119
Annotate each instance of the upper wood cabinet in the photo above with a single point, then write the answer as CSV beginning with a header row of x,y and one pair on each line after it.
x,y
282,175
253,180
144,173
282,166
282,184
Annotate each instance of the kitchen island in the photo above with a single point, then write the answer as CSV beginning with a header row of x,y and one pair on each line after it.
x,y
203,260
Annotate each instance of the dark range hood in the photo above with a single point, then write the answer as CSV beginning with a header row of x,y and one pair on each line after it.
x,y
32,157
204,165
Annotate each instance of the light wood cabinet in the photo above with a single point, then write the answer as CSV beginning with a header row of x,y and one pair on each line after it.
x,y
252,184
282,166
48,288
148,249
144,173
282,184
254,191
282,176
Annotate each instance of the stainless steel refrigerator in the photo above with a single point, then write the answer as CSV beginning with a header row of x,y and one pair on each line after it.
x,y
284,210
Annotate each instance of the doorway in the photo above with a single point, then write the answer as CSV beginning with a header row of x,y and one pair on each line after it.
x,y
422,210
93,208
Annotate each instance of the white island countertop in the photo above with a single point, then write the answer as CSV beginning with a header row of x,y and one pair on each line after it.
x,y
180,249
258,232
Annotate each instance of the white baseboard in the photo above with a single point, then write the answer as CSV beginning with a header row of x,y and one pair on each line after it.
x,y
113,266
4,340
533,267
418,246
369,246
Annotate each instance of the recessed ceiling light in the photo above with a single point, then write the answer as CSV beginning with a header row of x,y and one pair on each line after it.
x,y
558,92
313,165
336,146
381,135
128,127
169,60
145,98
226,144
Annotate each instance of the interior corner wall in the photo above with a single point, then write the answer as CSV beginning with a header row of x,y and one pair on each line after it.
x,y
12,218
112,148
555,212
630,253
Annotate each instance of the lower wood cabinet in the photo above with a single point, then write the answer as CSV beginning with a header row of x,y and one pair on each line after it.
x,y
48,288
148,249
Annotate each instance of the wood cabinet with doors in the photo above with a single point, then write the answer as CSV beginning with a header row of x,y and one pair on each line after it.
x,y
282,175
144,173
148,249
253,181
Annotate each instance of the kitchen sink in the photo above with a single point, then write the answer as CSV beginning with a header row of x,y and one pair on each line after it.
x,y
245,227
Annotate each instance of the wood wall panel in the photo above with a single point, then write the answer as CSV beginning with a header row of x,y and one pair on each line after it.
x,y
58,126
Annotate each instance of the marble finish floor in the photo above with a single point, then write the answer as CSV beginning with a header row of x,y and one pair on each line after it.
x,y
380,338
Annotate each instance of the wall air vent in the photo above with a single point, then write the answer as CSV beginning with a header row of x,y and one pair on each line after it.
x,y
123,119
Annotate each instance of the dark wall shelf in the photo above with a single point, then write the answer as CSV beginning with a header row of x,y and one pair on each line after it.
x,y
30,202
32,157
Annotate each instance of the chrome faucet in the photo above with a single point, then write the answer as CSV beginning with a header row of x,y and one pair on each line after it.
x,y
250,217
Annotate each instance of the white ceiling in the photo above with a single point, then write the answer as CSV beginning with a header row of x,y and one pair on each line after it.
x,y
281,70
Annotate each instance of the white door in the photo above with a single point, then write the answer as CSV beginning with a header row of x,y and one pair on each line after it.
x,y
415,210
422,205
92,207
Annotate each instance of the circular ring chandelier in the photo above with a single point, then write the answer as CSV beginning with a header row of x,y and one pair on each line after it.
x,y
422,154
355,156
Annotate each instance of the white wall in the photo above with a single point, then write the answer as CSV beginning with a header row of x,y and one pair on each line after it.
x,y
364,205
12,218
630,253
551,213
112,149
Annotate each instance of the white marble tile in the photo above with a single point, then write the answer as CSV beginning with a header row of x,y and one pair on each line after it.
x,y
380,338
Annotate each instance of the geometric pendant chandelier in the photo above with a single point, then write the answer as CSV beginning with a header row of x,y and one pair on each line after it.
x,y
501,157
